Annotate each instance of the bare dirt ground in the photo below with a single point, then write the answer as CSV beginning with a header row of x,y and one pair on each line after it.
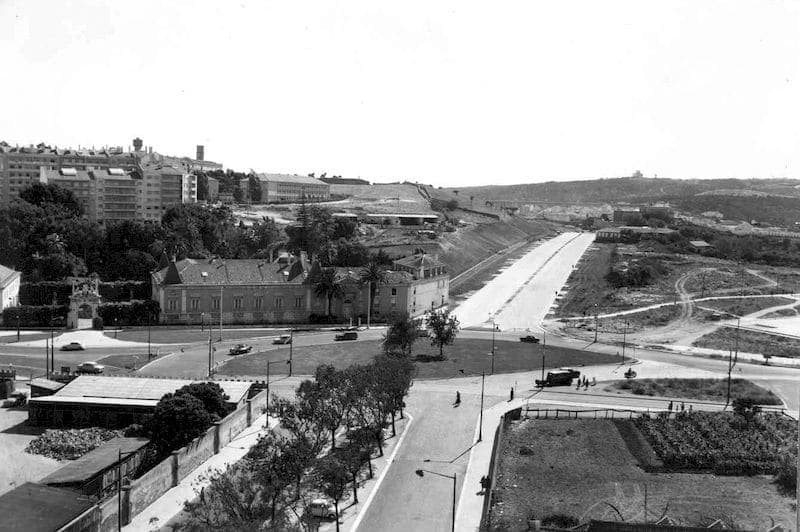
x,y
17,466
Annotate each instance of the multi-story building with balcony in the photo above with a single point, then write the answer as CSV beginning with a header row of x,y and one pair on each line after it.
x,y
20,166
164,186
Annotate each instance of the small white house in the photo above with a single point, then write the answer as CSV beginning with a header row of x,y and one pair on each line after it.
x,y
9,287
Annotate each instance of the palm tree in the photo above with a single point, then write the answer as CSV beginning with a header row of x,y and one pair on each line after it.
x,y
327,284
372,274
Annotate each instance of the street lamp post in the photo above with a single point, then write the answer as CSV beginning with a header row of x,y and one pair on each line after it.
x,y
291,348
494,328
220,313
421,473
624,335
595,323
149,354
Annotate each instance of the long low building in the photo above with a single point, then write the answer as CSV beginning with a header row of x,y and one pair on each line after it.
x,y
112,402
257,291
623,233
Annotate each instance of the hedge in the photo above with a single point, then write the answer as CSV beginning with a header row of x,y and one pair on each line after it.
x,y
129,313
41,293
33,316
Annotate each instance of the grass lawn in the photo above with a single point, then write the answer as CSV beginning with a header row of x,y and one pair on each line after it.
x,y
782,313
128,362
579,468
742,307
750,342
587,287
468,354
701,389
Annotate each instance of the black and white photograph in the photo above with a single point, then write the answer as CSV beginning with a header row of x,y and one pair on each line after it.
x,y
399,266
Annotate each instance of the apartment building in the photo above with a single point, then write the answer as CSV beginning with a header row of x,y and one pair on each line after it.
x,y
20,166
283,188
164,186
194,291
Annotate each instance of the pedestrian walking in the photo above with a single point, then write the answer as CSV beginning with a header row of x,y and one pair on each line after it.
x,y
690,409
586,384
512,394
594,381
683,407
203,495
669,407
458,398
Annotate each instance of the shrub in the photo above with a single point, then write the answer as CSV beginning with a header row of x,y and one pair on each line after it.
x,y
97,323
560,521
130,313
30,316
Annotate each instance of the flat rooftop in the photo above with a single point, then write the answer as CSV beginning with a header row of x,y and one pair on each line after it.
x,y
95,461
37,508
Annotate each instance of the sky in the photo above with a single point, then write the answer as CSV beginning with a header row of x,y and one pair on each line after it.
x,y
448,93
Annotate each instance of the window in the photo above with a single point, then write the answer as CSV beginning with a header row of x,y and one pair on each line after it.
x,y
172,304
394,291
257,302
237,303
278,302
195,303
215,303
298,302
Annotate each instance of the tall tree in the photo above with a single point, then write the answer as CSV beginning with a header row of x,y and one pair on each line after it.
x,y
332,474
443,327
372,274
327,284
401,335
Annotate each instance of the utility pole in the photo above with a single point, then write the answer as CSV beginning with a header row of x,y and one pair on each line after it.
x,y
291,346
480,423
369,305
210,355
494,327
624,335
149,354
46,359
220,313
595,323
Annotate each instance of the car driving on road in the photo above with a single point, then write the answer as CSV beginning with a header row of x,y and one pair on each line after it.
x,y
240,349
72,346
282,339
531,339
346,336
90,367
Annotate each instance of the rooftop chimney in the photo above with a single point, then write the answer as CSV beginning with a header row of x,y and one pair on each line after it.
x,y
200,152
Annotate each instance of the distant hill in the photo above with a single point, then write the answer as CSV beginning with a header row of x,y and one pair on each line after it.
x,y
774,201
624,189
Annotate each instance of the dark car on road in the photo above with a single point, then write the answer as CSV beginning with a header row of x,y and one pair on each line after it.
x,y
351,335
72,346
90,367
240,349
531,339
558,377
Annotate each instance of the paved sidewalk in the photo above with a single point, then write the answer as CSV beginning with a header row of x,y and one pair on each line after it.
x,y
170,505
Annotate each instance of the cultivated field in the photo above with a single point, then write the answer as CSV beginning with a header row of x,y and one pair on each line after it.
x,y
583,469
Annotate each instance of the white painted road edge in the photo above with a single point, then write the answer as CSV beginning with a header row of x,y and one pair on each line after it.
x,y
377,485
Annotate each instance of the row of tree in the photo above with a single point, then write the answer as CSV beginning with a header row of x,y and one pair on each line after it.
x,y
292,465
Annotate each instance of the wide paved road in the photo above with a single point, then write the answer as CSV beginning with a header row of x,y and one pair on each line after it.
x,y
521,296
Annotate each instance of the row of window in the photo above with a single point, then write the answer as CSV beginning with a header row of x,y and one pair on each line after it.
x,y
238,303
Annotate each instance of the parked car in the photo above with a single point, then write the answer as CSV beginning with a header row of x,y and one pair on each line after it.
x,y
240,349
90,367
322,508
557,377
72,346
346,336
282,339
531,339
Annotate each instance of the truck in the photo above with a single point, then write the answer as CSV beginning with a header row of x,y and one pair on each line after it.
x,y
558,377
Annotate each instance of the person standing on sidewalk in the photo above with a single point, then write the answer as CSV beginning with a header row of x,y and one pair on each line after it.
x,y
458,398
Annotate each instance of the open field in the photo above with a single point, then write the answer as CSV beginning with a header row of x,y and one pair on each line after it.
x,y
742,307
694,274
580,467
771,345
700,389
468,354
